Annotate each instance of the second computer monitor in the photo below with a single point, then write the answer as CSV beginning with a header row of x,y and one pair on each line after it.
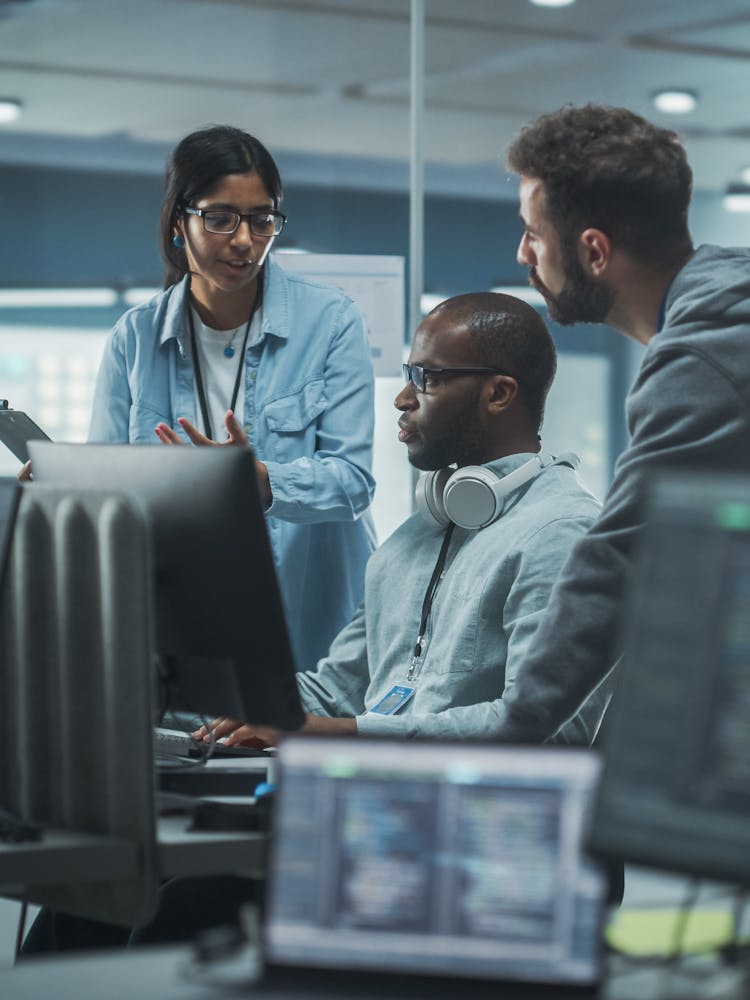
x,y
676,786
221,638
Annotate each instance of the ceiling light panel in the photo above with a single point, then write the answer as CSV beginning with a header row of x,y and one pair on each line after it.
x,y
675,101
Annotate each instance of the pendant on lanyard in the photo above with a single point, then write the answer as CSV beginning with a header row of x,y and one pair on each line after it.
x,y
207,428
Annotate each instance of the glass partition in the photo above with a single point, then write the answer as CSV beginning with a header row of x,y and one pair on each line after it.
x,y
327,87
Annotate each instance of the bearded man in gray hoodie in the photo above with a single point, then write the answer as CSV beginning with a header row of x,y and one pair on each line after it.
x,y
604,199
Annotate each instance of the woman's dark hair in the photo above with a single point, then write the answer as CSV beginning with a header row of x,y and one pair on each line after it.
x,y
196,165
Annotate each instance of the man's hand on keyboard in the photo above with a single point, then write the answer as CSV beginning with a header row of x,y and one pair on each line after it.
x,y
236,734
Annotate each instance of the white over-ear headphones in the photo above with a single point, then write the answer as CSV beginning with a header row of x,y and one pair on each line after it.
x,y
473,497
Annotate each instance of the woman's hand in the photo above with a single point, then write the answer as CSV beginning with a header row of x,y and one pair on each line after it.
x,y
235,433
236,436
24,473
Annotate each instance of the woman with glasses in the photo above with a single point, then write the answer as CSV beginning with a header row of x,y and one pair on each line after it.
x,y
237,351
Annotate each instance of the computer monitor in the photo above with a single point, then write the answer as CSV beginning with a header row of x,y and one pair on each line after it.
x,y
675,791
221,636
436,859
10,494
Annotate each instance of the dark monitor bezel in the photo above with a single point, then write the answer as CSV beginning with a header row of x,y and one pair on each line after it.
x,y
10,497
661,821
221,634
463,762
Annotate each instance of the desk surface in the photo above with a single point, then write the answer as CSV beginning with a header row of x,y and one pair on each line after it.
x,y
86,857
188,852
170,975
167,973
89,857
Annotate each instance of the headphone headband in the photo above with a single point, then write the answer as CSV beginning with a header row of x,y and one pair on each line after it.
x,y
474,496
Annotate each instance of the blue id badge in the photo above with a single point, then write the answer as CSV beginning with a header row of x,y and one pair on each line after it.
x,y
394,701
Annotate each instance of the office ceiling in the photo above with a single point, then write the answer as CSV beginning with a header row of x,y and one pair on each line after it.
x,y
114,83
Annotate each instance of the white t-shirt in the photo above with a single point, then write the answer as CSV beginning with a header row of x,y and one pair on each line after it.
x,y
220,372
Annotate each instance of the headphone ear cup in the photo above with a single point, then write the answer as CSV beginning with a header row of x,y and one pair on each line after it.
x,y
474,496
470,499
428,495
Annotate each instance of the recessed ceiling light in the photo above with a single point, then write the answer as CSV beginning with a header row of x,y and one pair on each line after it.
x,y
675,102
10,109
736,199
552,3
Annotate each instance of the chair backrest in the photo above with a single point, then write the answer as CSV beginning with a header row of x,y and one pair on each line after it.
x,y
76,677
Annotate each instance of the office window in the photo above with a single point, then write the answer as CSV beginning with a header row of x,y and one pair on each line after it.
x,y
49,373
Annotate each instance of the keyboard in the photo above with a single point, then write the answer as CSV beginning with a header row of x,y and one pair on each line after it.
x,y
176,743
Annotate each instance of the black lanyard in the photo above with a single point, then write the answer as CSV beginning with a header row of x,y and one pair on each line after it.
x,y
197,365
428,599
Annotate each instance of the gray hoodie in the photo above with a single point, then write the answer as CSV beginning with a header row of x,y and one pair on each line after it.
x,y
689,407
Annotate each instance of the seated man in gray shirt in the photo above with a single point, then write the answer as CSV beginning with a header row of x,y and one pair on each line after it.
x,y
453,598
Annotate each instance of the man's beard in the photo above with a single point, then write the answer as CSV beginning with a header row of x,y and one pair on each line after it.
x,y
463,443
581,299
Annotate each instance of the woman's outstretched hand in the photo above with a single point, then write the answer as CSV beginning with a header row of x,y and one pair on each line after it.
x,y
235,436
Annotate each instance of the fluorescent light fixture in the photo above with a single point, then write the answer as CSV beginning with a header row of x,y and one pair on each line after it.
x,y
134,296
675,101
31,298
736,199
10,109
552,3
523,292
429,300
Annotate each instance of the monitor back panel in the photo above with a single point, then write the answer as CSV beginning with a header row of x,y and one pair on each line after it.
x,y
220,626
435,859
10,495
676,786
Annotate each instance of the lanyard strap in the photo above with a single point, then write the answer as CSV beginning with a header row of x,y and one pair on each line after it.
x,y
428,599
197,365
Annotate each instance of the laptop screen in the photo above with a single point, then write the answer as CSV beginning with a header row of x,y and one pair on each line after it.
x,y
435,858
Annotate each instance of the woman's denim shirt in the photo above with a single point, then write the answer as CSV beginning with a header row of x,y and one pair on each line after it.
x,y
309,398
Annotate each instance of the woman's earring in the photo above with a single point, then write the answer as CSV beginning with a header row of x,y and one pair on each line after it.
x,y
178,242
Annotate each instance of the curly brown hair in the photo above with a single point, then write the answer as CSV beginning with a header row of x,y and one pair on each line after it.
x,y
610,169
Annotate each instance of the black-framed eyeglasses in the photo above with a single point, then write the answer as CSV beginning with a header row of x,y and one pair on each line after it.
x,y
416,374
223,222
